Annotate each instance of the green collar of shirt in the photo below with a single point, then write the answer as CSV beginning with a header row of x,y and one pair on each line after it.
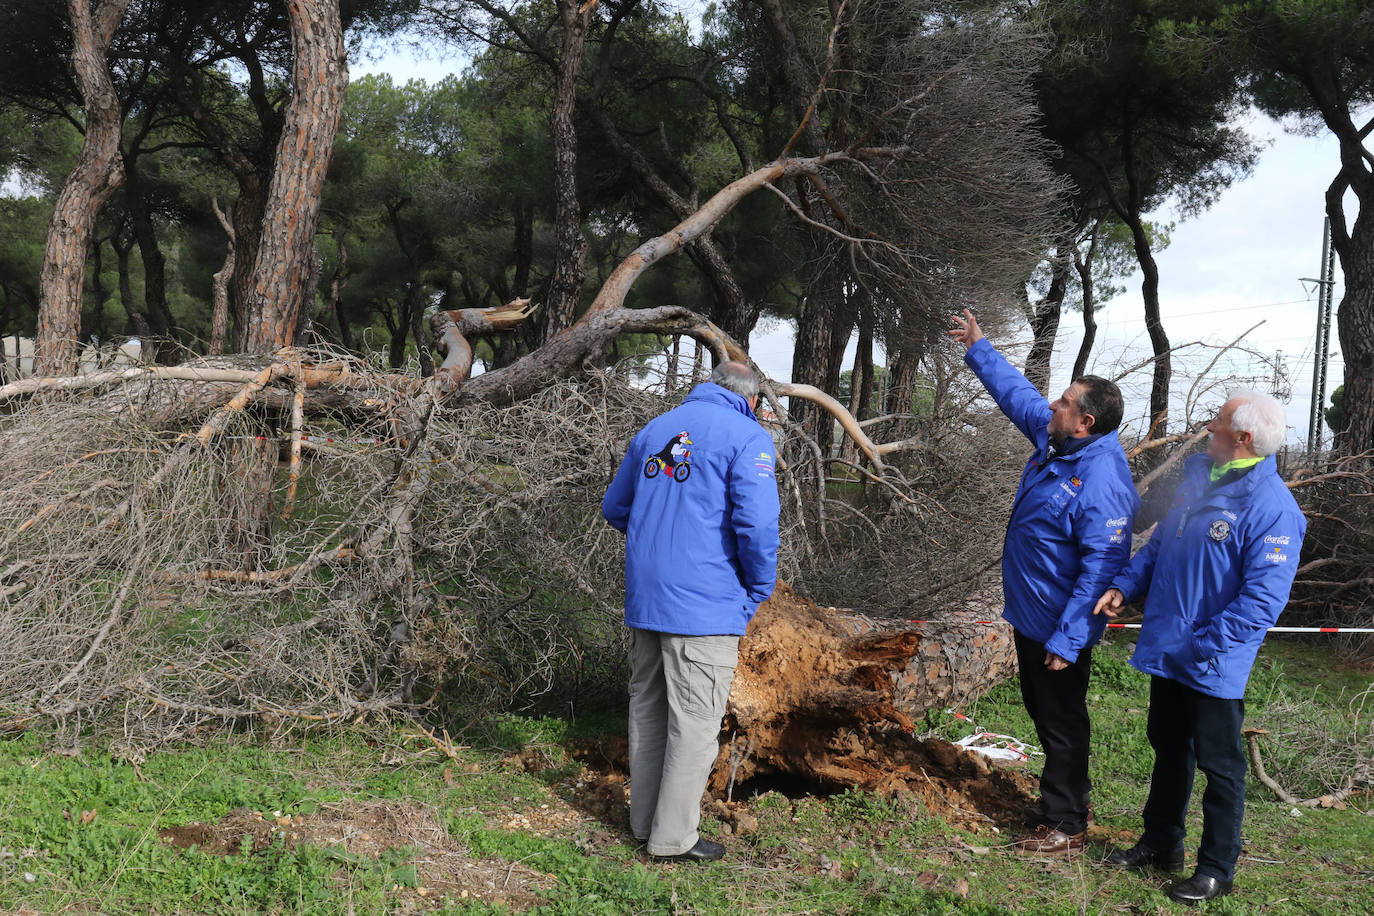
x,y
1239,464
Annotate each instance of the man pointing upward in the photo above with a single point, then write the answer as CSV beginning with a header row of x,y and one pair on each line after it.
x,y
1069,533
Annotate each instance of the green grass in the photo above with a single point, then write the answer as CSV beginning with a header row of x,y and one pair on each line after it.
x,y
852,853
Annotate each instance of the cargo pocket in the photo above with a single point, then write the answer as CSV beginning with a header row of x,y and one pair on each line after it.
x,y
708,667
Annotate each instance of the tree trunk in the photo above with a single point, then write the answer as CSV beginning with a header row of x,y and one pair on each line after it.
x,y
1129,213
1045,316
831,700
280,287
334,308
219,318
97,174
1355,327
133,317
1083,263
901,389
5,374
1355,316
247,227
97,326
861,378
524,249
822,329
160,318
571,257
1159,341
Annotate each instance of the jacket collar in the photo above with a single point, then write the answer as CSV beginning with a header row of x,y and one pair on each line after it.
x,y
711,393
1098,442
1230,488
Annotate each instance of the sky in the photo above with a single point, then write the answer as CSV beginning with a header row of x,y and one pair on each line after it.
x,y
1237,264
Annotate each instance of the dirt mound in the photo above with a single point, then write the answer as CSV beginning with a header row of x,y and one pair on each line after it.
x,y
368,829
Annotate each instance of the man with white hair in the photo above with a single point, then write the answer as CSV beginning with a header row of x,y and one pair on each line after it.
x,y
1215,576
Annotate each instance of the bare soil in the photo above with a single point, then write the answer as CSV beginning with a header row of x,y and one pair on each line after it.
x,y
368,829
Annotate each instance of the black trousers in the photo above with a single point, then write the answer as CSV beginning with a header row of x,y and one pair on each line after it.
x,y
1058,705
1192,731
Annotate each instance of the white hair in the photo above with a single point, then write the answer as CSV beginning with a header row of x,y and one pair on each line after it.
x,y
1262,416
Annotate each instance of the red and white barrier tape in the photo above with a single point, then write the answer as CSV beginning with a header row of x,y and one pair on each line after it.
x,y
1136,626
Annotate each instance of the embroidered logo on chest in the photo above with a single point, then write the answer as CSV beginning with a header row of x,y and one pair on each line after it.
x,y
1220,530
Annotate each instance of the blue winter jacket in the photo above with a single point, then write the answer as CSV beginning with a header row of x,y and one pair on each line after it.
x,y
1215,576
697,499
1070,526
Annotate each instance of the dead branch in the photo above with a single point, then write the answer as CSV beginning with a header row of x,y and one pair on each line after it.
x,y
1329,800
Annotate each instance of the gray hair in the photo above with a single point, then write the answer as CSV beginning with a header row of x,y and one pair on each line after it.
x,y
736,377
1262,416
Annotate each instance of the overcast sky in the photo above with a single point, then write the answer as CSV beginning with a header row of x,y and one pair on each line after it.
x,y
1236,264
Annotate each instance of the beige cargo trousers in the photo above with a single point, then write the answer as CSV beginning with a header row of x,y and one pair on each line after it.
x,y
678,689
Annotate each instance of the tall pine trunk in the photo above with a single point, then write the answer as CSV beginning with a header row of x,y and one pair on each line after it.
x,y
1355,327
160,318
98,173
280,285
571,257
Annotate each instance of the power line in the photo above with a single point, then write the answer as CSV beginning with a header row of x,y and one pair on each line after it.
x,y
1239,308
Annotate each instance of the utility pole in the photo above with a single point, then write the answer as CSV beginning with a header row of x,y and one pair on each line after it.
x,y
1322,347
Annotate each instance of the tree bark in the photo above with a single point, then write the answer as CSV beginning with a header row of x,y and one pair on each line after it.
x,y
1355,327
134,320
97,326
280,286
1046,313
1129,212
160,319
219,318
570,261
1159,341
1083,264
861,378
1354,244
98,173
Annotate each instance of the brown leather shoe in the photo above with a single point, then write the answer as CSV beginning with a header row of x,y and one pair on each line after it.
x,y
1034,816
1046,841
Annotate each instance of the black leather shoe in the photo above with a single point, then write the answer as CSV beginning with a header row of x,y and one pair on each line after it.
x,y
703,851
1142,856
1196,889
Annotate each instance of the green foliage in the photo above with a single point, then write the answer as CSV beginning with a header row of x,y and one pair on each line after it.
x,y
1335,414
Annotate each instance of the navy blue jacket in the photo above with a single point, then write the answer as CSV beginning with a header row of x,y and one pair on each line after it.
x,y
697,498
1070,526
1215,576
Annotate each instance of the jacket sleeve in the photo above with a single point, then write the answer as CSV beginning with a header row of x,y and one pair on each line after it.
x,y
1103,533
620,495
1268,566
753,489
1134,580
1024,406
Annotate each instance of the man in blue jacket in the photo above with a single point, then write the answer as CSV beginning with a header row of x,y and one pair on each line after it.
x,y
697,499
1215,576
1068,535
